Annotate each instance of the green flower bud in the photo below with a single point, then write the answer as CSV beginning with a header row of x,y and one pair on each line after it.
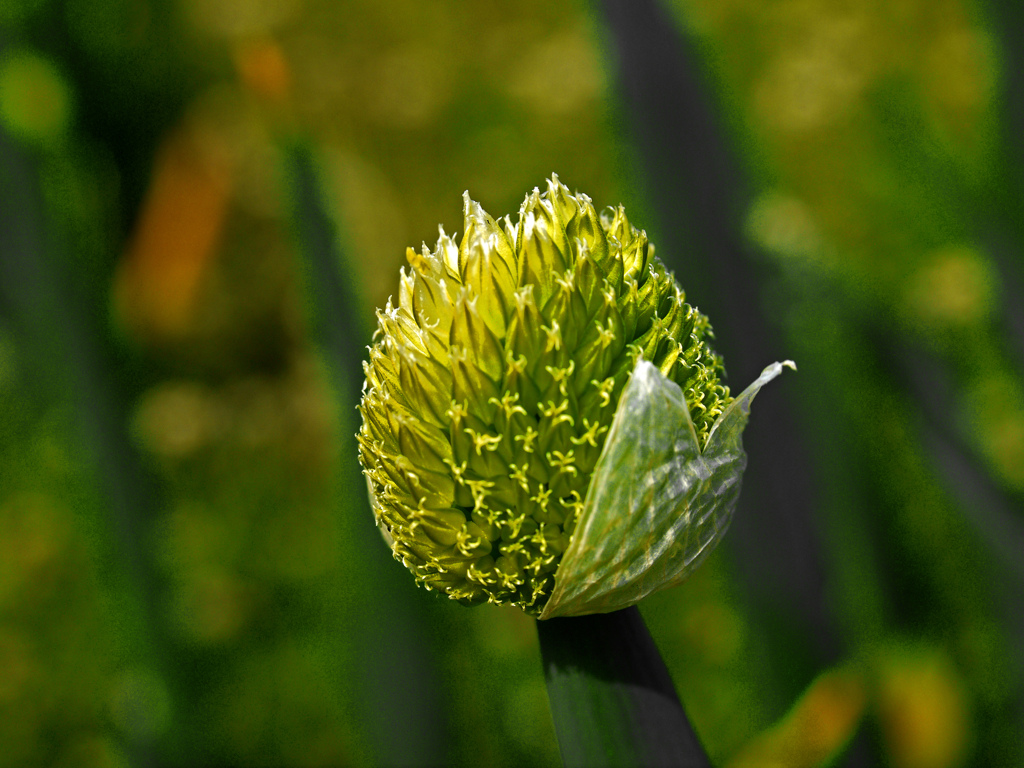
x,y
500,450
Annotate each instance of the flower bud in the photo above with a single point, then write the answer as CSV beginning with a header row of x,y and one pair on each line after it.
x,y
544,422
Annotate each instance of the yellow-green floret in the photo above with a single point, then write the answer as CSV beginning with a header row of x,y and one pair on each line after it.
x,y
492,385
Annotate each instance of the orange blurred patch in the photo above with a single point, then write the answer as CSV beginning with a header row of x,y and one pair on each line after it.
x,y
819,725
924,712
175,236
263,68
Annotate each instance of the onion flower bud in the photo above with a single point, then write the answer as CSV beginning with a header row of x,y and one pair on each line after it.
x,y
544,422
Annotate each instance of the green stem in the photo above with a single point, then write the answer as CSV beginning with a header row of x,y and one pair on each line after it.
x,y
612,699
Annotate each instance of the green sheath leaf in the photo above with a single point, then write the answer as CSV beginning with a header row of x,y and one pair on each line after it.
x,y
612,698
656,505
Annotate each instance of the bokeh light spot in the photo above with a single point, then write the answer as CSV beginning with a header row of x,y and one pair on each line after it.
x,y
35,99
211,606
996,406
785,226
923,711
955,288
815,729
818,78
177,418
158,280
34,535
263,68
560,75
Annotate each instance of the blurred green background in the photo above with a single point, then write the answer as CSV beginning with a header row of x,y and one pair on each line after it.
x,y
189,573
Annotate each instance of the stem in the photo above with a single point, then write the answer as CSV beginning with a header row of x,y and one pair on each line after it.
x,y
612,699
